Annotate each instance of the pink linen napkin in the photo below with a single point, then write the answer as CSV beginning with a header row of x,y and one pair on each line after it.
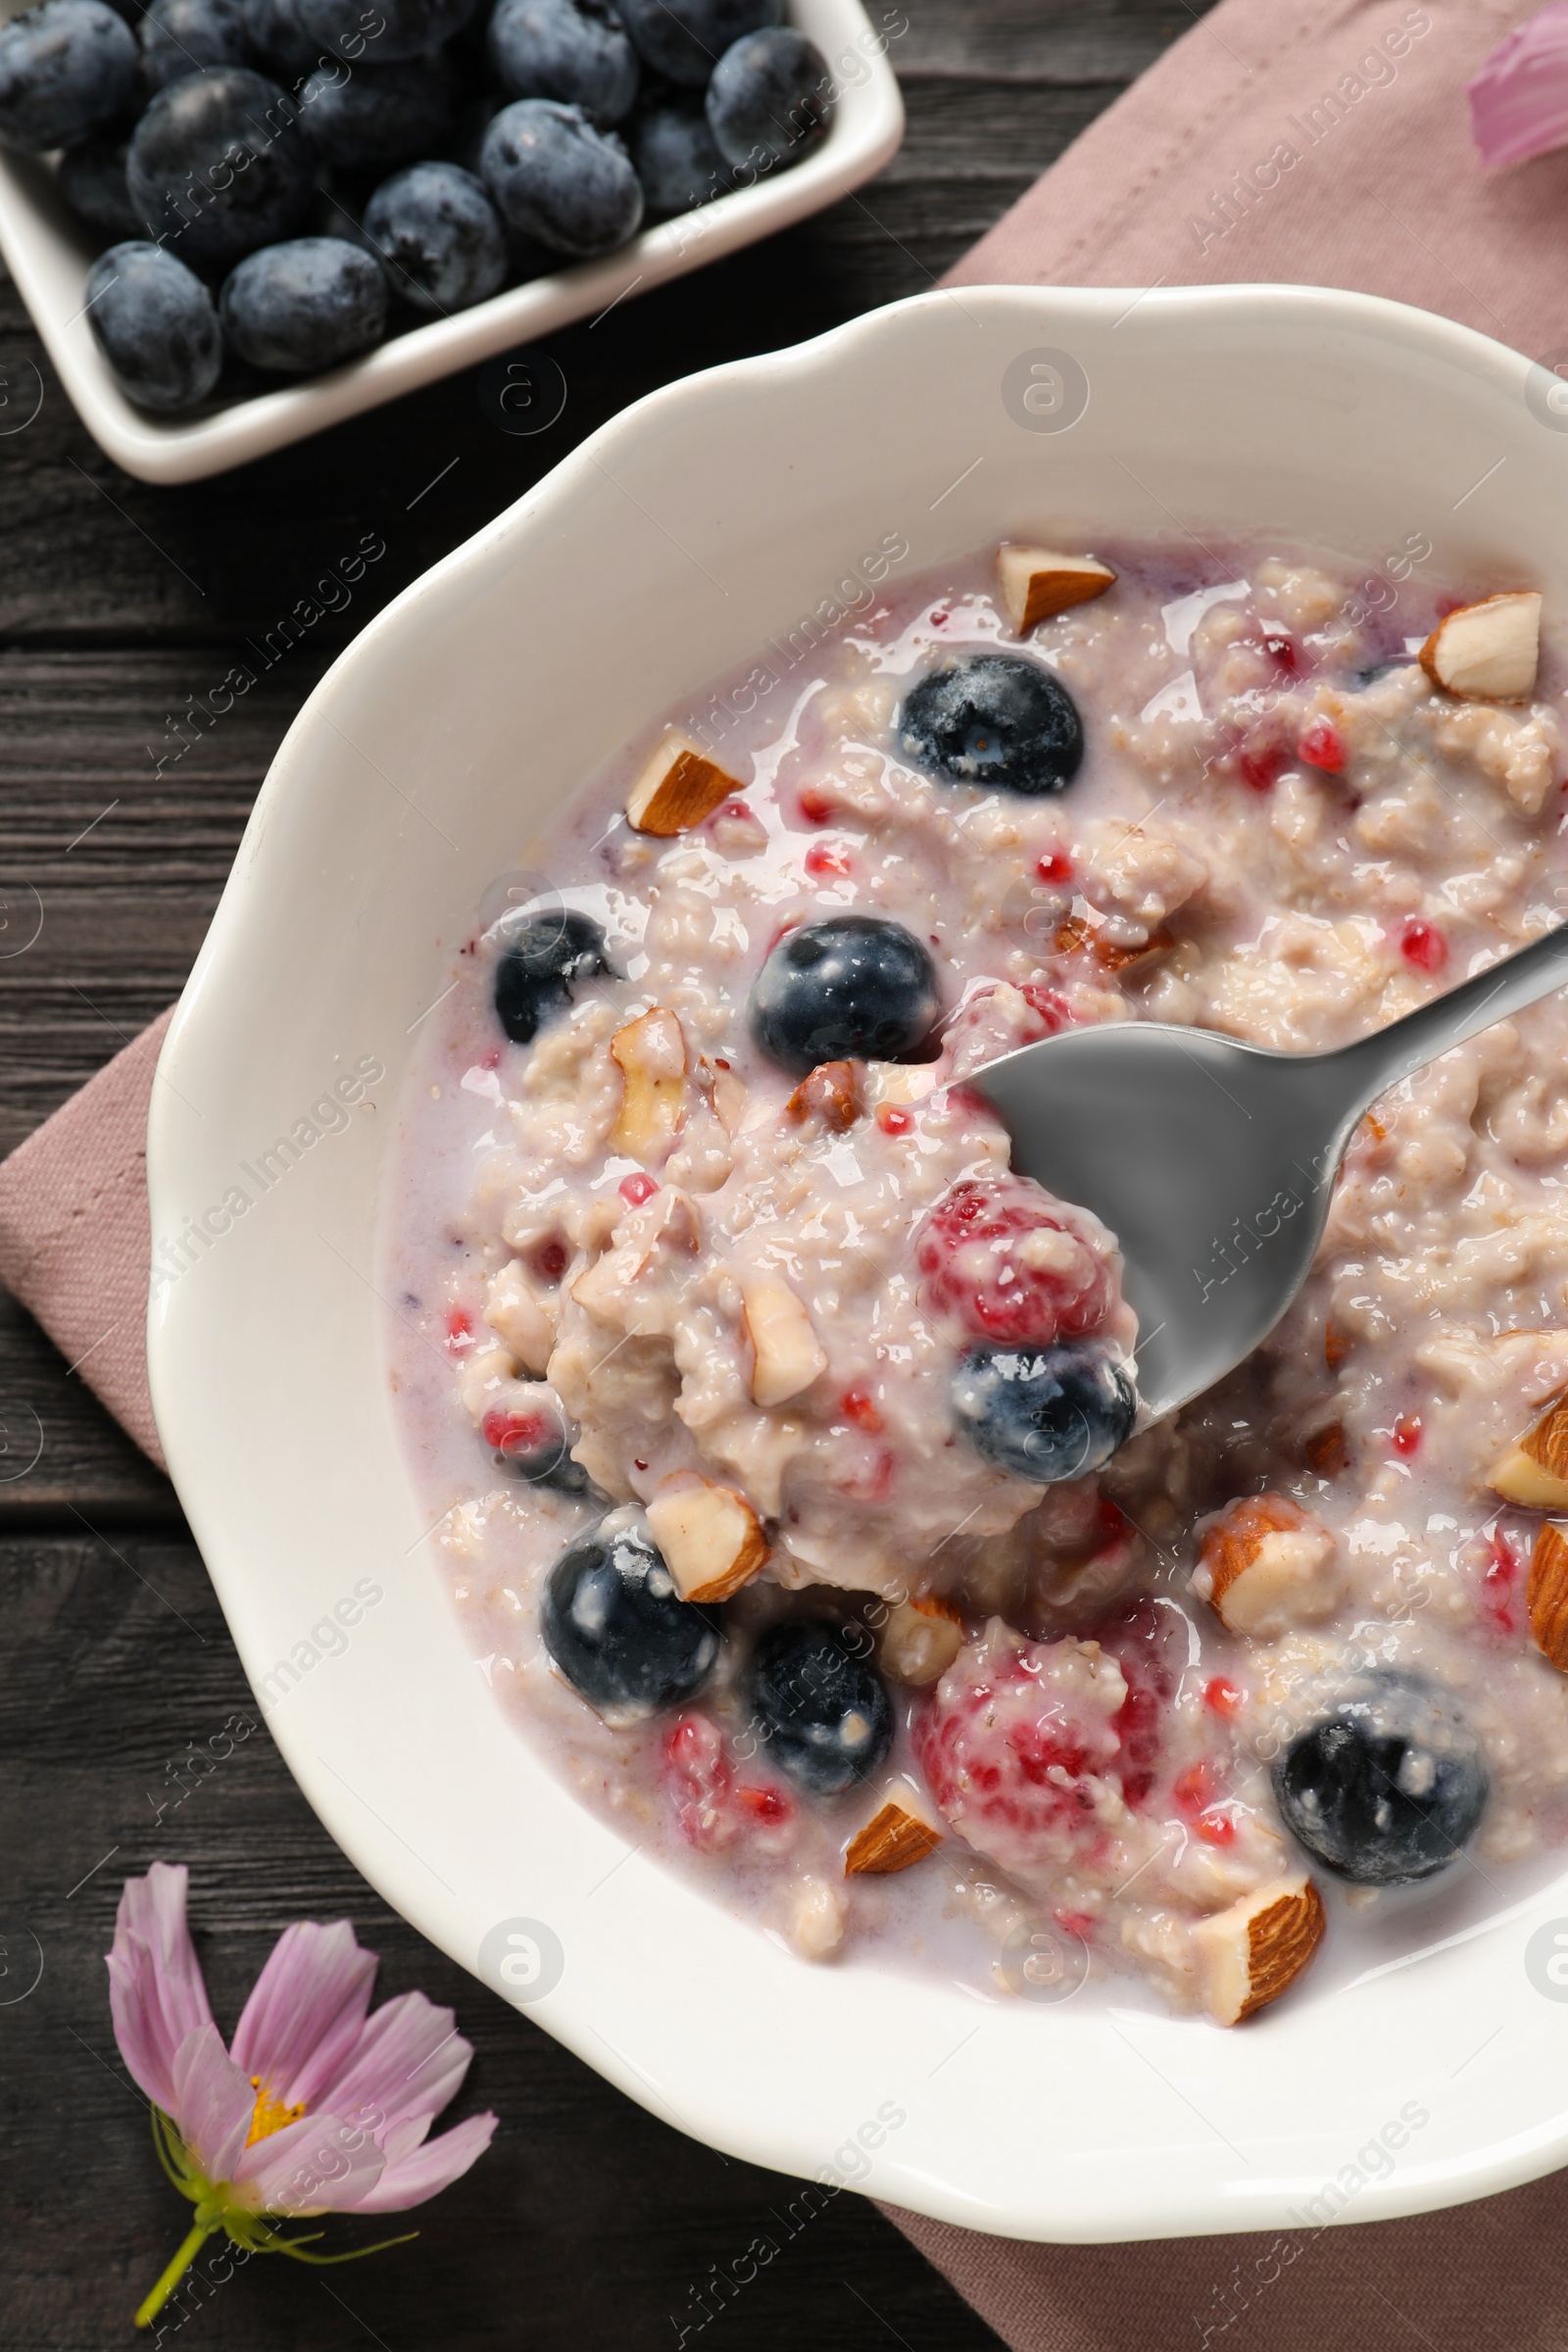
x,y
1319,142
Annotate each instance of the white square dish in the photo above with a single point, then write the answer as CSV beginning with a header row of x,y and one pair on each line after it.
x,y
49,253
711,516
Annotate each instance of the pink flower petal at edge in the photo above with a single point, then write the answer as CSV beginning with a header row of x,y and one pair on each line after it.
x,y
306,2011
1519,99
431,2168
213,2103
318,2164
156,1993
408,2062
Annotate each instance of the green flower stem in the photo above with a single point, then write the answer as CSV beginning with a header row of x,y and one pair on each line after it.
x,y
176,2270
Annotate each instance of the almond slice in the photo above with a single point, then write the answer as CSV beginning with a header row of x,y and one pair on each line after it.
x,y
1265,1565
919,1640
652,1054
904,1828
788,1353
1547,1595
1534,1469
1037,583
679,786
831,1093
711,1537
1076,936
1488,653
1249,1954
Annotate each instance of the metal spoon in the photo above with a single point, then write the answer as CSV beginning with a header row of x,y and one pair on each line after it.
x,y
1212,1162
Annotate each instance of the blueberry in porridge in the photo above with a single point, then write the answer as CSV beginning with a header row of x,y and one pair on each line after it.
x,y
793,1483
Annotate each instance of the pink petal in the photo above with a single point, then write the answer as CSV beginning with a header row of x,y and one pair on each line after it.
x,y
318,2164
431,2168
408,2062
156,1993
305,2011
1519,99
213,2102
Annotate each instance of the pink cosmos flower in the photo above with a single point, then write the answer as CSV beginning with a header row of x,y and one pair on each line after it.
x,y
319,2107
1519,99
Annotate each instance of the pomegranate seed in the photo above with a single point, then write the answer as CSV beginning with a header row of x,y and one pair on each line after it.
x,y
1423,945
491,1061
549,1261
823,858
1081,1924
1408,1434
1053,866
638,1463
767,1805
1216,1828
739,809
1321,745
856,1405
1222,1697
1195,1788
1497,1597
459,1329
939,620
1261,770
1282,648
891,1120
815,806
637,1189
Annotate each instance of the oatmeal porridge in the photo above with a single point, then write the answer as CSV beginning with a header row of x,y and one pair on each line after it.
x,y
792,1481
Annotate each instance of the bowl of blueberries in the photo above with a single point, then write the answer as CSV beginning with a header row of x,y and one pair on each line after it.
x,y
237,222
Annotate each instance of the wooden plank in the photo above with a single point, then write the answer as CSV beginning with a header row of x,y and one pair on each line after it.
x,y
588,2222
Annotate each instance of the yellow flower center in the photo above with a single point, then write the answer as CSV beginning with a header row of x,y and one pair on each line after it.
x,y
271,2115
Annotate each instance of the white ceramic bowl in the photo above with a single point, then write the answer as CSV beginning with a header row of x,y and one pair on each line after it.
x,y
49,253
709,517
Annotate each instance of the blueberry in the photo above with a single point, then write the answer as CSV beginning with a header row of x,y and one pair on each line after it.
x,y
274,35
304,306
553,176
820,1703
408,28
181,36
543,960
770,98
439,237
852,988
154,321
676,159
219,162
1388,1786
996,720
67,70
573,50
615,1626
378,115
684,39
92,182
1044,1413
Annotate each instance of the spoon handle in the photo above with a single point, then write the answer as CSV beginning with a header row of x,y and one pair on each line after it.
x,y
1377,1062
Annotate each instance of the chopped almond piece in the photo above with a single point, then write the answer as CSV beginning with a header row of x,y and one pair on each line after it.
x,y
919,1640
1249,1954
1325,1450
1266,1565
1488,653
903,1829
516,1312
1535,1470
1336,1347
831,1093
788,1353
1075,937
1037,583
1547,1595
729,1093
652,1054
679,786
711,1537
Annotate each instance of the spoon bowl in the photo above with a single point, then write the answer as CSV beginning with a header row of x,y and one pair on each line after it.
x,y
1213,1161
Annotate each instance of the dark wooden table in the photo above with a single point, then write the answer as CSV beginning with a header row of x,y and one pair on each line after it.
x,y
589,2224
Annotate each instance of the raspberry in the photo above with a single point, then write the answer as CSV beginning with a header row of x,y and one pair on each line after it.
x,y
637,1189
1052,1007
985,1264
711,1810
1424,946
1321,745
